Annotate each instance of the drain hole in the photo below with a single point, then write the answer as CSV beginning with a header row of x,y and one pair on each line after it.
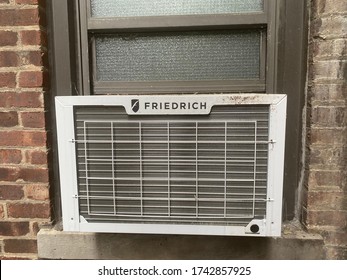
x,y
254,228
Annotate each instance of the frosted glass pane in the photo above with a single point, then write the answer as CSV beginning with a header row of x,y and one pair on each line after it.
x,y
132,8
184,56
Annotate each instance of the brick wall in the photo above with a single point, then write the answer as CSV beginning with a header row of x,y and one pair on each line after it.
x,y
325,207
24,180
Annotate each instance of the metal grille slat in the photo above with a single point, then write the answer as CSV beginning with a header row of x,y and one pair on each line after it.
x,y
200,169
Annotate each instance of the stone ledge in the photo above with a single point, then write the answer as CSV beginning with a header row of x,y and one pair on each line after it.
x,y
295,244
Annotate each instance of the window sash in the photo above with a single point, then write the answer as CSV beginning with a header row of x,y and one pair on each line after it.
x,y
261,20
174,21
145,8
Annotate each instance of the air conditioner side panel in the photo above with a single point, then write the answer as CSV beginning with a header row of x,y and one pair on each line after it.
x,y
276,167
67,165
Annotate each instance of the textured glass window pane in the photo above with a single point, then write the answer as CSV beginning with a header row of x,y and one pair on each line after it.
x,y
183,56
132,8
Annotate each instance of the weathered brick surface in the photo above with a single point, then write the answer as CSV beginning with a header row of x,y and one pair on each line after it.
x,y
37,192
11,192
20,246
323,7
31,79
8,119
325,200
28,210
36,157
24,176
327,136
8,38
8,80
9,59
19,17
23,138
14,228
21,100
33,119
33,37
30,175
10,156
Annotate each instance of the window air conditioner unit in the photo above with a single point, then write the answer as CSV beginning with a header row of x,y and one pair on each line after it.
x,y
172,164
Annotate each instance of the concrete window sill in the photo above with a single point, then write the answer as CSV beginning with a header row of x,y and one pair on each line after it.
x,y
294,244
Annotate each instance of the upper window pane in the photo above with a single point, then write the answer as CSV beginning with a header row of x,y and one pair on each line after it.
x,y
185,56
138,8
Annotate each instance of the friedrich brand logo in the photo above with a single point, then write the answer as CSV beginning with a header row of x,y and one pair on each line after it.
x,y
175,106
168,107
135,105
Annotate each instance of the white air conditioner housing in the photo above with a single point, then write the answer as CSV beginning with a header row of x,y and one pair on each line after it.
x,y
207,164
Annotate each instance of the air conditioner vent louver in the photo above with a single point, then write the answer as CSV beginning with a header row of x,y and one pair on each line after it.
x,y
195,172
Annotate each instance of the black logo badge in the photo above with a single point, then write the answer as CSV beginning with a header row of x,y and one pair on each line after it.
x,y
135,105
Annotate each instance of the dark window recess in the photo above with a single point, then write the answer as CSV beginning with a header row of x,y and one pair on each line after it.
x,y
83,64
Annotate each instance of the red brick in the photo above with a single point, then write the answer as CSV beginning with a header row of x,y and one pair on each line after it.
x,y
328,7
325,200
338,238
329,27
19,17
33,38
23,138
8,192
31,79
323,156
325,178
23,99
332,116
36,58
36,157
328,70
26,210
9,59
327,92
14,228
327,136
37,192
8,174
10,156
336,219
332,49
20,246
8,79
33,119
8,38
8,119
36,175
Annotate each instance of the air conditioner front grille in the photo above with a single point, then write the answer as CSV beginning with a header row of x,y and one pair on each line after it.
x,y
197,169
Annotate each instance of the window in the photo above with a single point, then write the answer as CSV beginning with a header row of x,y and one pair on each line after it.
x,y
222,46
177,46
